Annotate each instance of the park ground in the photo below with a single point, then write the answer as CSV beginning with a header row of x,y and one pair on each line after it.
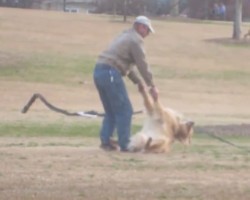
x,y
199,71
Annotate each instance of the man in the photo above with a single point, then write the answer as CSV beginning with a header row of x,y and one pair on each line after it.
x,y
116,61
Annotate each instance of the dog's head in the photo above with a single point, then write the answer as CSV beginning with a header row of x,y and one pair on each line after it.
x,y
184,132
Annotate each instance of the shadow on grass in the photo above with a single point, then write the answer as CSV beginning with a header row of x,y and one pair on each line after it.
x,y
230,42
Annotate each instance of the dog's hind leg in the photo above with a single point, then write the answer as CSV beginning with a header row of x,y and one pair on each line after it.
x,y
148,143
156,146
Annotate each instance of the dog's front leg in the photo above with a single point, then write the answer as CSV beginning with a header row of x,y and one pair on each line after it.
x,y
147,102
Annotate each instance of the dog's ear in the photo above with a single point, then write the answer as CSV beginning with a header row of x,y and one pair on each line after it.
x,y
189,125
184,132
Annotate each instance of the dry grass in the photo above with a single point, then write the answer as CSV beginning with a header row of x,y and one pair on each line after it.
x,y
207,81
62,169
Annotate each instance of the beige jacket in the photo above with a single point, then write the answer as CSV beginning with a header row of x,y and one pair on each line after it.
x,y
125,52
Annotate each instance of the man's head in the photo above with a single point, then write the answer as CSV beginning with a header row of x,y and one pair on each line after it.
x,y
143,26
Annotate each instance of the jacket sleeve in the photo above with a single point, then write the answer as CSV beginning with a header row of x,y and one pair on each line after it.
x,y
134,77
138,54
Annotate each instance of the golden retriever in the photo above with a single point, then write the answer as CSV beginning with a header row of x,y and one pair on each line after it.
x,y
161,128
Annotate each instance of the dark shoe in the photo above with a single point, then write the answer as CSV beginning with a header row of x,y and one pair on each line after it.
x,y
107,147
113,143
124,150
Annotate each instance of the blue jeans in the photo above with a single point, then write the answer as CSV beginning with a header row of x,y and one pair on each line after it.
x,y
116,103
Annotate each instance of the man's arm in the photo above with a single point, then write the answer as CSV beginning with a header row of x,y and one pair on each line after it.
x,y
139,57
134,77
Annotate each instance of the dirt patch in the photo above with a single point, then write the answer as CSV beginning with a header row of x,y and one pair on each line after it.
x,y
75,168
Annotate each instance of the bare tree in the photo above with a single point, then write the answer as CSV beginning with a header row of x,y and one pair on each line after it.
x,y
125,10
237,19
174,10
64,5
114,4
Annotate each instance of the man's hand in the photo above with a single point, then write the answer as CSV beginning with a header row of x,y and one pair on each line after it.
x,y
154,93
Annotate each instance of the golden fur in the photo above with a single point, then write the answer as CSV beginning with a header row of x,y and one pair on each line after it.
x,y
161,128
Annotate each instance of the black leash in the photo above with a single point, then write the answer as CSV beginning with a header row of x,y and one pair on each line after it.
x,y
90,113
93,114
212,135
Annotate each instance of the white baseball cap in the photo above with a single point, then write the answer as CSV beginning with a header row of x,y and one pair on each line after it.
x,y
144,20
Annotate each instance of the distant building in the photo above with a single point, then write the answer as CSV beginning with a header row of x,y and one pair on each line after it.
x,y
70,5
203,9
200,9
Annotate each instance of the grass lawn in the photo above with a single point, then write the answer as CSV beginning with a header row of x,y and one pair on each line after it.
x,y
44,155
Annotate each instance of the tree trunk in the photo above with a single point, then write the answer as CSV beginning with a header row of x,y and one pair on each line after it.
x,y
64,5
206,9
237,19
174,8
114,7
125,7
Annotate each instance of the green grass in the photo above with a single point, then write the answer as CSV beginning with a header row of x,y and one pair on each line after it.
x,y
34,129
68,69
202,144
238,76
51,129
49,68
